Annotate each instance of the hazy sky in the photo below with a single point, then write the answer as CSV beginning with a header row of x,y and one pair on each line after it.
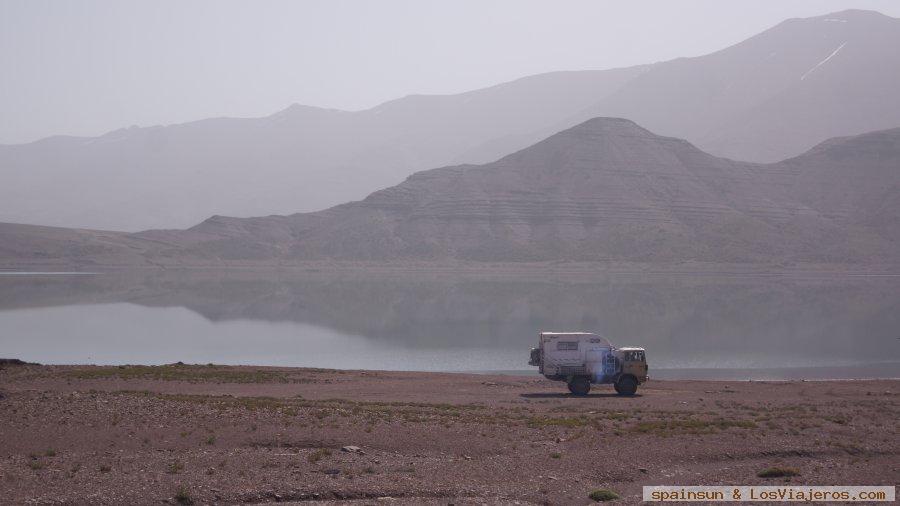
x,y
87,67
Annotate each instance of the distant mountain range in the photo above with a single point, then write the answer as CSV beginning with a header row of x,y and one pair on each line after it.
x,y
770,97
605,190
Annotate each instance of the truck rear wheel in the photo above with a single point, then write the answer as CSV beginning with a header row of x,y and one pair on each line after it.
x,y
626,386
580,386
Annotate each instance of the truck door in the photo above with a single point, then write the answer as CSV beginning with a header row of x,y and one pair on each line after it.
x,y
593,360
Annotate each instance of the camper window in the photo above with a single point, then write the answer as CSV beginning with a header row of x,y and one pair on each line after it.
x,y
567,345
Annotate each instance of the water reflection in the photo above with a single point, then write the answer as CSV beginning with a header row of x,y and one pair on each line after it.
x,y
435,321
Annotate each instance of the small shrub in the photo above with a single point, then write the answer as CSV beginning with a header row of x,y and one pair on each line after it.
x,y
175,467
105,468
211,440
555,455
182,496
35,464
603,494
50,452
318,455
778,472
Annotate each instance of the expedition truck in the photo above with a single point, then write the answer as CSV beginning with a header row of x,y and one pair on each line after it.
x,y
581,358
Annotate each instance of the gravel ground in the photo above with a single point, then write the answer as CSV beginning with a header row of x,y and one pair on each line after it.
x,y
215,434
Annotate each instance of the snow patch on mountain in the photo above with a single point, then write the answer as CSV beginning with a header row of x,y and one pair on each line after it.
x,y
808,72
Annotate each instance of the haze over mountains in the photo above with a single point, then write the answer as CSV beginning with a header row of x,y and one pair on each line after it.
x,y
770,97
604,190
300,159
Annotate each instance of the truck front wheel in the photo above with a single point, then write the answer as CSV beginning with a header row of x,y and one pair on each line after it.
x,y
580,386
626,385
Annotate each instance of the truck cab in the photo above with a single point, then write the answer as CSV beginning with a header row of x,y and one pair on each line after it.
x,y
583,358
634,364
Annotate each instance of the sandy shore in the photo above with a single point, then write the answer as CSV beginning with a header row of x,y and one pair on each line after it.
x,y
211,434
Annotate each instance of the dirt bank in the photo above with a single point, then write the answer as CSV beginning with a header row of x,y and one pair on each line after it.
x,y
146,435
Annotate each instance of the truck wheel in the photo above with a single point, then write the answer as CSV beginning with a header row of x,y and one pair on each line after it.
x,y
626,386
580,386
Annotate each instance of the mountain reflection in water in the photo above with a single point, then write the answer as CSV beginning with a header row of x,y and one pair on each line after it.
x,y
733,325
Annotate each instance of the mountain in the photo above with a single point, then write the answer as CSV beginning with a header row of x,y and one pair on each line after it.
x,y
776,94
769,97
606,190
300,159
854,181
53,246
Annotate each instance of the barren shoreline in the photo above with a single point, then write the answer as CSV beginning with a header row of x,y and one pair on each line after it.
x,y
234,434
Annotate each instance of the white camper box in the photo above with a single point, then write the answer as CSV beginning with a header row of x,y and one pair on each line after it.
x,y
577,354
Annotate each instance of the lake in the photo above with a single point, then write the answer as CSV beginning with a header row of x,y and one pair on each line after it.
x,y
718,325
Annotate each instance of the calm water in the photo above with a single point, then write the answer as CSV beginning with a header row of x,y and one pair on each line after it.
x,y
721,326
